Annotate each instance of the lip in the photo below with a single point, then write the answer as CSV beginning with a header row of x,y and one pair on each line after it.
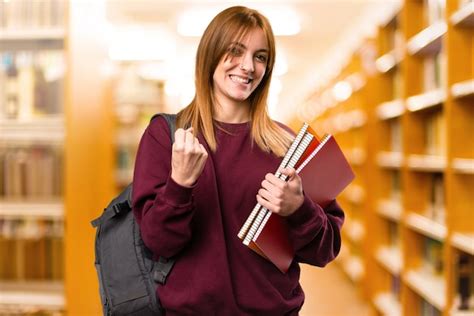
x,y
243,78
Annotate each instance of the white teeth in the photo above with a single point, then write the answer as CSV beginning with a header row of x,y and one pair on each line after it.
x,y
239,79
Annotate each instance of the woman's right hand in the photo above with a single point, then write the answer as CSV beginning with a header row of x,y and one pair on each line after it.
x,y
188,157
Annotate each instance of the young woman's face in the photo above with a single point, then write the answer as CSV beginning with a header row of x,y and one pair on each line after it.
x,y
241,69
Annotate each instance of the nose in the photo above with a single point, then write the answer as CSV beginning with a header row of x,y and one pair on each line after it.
x,y
246,63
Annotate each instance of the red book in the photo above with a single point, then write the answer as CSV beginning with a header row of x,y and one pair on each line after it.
x,y
324,172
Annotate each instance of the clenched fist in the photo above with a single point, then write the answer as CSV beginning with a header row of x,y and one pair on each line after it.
x,y
188,157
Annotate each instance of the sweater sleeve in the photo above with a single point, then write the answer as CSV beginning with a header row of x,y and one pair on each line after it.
x,y
316,232
163,208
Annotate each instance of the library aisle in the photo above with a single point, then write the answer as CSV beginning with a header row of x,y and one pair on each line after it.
x,y
330,293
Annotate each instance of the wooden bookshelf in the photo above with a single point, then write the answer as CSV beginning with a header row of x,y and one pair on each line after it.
x,y
463,16
390,109
21,297
426,100
390,258
135,103
42,34
19,209
428,40
459,174
32,135
417,175
430,287
389,209
46,130
463,89
67,126
388,159
349,123
463,242
426,226
387,304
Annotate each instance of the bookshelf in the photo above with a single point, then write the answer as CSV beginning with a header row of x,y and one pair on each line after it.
x,y
136,98
347,118
32,135
56,170
417,172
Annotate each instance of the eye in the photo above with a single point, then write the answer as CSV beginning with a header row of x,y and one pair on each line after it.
x,y
235,51
262,58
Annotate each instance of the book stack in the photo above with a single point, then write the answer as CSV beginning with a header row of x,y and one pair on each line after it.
x,y
34,82
31,172
34,248
324,172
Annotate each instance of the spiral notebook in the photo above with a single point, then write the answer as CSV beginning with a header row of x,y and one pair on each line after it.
x,y
324,172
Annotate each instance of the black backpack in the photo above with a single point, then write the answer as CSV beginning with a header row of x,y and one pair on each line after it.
x,y
128,276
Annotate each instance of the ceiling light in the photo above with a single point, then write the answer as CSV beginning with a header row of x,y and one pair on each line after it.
x,y
342,91
140,44
284,20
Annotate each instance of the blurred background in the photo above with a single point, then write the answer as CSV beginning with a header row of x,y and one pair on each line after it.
x,y
392,80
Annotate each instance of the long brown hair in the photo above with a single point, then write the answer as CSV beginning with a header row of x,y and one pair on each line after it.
x,y
231,24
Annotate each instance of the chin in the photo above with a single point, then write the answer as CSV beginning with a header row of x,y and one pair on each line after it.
x,y
240,97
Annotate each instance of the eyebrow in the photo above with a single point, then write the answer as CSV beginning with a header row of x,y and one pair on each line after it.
x,y
264,50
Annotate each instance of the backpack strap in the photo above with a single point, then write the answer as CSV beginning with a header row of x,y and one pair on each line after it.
x,y
171,120
162,268
121,204
164,265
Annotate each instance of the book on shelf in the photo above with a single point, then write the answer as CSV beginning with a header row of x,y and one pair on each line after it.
x,y
394,235
324,172
395,286
434,71
33,248
429,73
397,85
436,206
433,256
426,309
396,187
395,135
434,11
31,172
32,14
34,83
465,281
435,133
393,36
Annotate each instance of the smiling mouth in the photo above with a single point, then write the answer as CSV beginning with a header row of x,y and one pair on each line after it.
x,y
238,79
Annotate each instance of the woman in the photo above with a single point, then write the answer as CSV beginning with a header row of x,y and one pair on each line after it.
x,y
191,198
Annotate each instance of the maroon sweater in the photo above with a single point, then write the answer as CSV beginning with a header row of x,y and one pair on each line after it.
x,y
215,274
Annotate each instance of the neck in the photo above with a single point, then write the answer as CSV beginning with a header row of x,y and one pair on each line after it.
x,y
235,113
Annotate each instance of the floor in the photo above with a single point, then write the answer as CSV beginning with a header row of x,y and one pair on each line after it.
x,y
330,293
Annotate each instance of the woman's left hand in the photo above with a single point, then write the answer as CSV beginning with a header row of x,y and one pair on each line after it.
x,y
281,197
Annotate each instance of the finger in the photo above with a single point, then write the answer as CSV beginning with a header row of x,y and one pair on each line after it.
x,y
266,195
179,137
274,180
265,203
204,153
268,185
197,146
275,191
290,172
189,140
